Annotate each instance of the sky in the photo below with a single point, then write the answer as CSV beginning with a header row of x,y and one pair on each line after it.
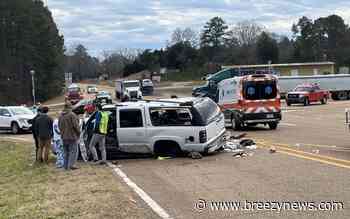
x,y
107,25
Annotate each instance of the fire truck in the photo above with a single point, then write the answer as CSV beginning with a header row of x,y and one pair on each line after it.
x,y
250,100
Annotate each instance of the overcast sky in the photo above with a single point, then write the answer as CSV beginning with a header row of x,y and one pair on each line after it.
x,y
112,24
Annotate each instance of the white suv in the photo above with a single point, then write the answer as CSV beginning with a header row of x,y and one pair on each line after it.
x,y
163,127
15,118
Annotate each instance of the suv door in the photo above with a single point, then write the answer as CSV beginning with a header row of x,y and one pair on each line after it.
x,y
5,118
131,131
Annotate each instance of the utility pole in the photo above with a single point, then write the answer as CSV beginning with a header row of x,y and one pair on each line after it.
x,y
32,72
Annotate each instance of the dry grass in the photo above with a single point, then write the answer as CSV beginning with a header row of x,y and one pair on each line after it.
x,y
37,191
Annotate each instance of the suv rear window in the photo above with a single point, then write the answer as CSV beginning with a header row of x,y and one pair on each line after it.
x,y
204,112
259,90
170,117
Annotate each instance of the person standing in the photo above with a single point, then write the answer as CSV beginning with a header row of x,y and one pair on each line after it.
x,y
68,124
35,134
99,135
43,127
58,145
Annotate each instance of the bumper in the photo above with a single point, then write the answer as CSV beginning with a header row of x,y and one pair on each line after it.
x,y
295,100
254,118
215,144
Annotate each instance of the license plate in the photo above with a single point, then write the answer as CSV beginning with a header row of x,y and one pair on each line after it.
x,y
269,116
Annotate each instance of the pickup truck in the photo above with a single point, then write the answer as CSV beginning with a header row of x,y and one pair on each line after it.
x,y
127,90
306,94
162,127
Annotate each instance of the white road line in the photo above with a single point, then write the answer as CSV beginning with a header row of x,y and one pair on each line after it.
x,y
145,197
287,124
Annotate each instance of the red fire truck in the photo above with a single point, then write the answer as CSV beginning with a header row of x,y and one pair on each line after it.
x,y
250,100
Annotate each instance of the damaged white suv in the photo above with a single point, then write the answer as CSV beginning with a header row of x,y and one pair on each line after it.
x,y
163,127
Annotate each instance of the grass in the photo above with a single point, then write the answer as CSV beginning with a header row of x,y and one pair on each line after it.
x,y
30,190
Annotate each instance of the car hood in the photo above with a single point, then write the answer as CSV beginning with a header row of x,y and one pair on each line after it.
x,y
27,117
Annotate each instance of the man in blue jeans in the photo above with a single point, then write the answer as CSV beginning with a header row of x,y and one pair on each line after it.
x,y
68,124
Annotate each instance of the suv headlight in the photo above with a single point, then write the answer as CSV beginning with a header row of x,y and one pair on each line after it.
x,y
23,121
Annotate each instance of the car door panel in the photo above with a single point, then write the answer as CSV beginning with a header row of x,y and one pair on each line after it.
x,y
132,132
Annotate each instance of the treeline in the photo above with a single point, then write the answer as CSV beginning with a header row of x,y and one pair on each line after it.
x,y
193,54
29,40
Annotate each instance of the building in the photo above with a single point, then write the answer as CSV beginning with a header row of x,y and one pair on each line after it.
x,y
290,69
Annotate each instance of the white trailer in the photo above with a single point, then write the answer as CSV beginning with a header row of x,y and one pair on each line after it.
x,y
337,84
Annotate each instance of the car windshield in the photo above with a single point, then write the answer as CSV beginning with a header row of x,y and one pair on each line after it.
x,y
259,90
131,84
205,112
21,111
307,89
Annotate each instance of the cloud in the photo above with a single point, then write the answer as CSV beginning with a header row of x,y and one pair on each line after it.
x,y
112,24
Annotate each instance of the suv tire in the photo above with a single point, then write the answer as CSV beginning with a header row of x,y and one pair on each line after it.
x,y
236,125
273,125
15,128
167,148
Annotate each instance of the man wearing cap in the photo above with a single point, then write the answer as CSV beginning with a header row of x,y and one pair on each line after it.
x,y
68,124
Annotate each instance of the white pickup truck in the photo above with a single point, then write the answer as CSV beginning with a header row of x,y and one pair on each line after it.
x,y
163,127
126,90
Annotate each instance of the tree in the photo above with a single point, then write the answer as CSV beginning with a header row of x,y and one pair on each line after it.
x,y
267,49
285,50
29,40
246,33
81,64
213,34
186,35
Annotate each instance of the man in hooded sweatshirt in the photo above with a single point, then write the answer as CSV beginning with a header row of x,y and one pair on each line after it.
x,y
68,124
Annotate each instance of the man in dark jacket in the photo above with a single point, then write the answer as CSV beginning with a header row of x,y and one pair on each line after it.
x,y
68,124
43,129
35,134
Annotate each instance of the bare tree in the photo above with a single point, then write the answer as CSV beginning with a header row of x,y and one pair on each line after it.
x,y
246,32
184,35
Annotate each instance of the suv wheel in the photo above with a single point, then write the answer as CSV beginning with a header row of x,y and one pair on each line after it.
x,y
288,103
236,125
15,128
167,148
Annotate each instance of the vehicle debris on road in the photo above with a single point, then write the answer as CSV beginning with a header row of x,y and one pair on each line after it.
x,y
195,155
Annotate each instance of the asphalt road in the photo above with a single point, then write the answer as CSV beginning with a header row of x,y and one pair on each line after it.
x,y
178,184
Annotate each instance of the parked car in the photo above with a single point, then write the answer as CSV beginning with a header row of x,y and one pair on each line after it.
x,y
306,94
92,89
74,94
79,108
16,118
147,87
103,97
163,127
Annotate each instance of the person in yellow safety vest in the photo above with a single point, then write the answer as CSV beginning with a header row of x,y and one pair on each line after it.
x,y
99,135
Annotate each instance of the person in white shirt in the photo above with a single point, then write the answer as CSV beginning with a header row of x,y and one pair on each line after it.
x,y
58,144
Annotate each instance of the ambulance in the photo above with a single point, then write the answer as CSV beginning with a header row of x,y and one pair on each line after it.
x,y
250,100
